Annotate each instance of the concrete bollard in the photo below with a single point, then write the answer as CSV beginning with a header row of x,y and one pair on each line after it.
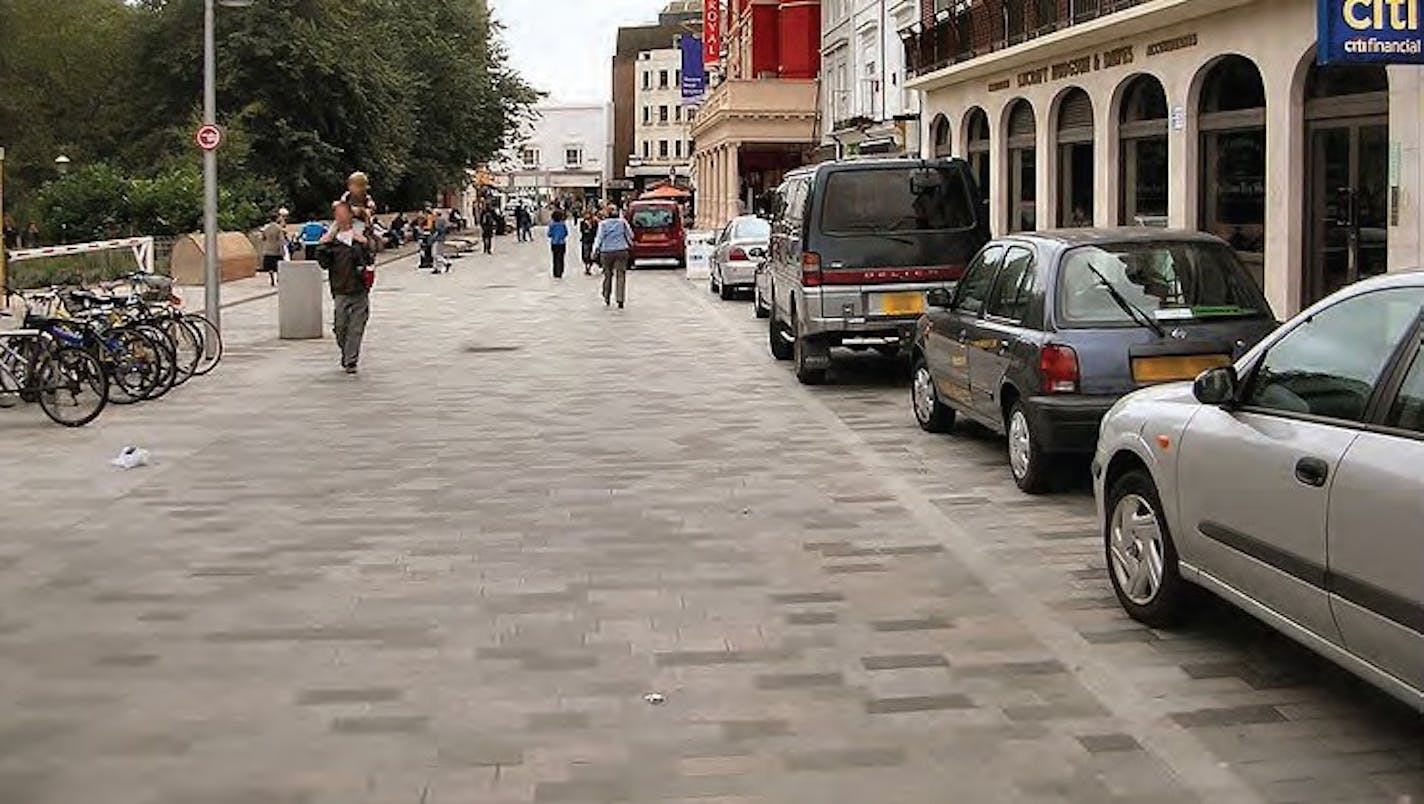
x,y
300,310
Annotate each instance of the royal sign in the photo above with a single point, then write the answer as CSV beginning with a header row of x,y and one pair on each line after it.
x,y
1369,31
711,31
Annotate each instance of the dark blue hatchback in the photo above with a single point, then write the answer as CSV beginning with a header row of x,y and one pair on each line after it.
x,y
1048,329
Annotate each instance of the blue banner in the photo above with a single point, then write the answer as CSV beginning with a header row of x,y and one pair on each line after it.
x,y
694,75
1369,31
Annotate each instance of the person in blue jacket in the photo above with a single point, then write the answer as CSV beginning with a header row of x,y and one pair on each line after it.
x,y
559,241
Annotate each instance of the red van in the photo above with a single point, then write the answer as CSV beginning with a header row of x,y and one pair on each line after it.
x,y
658,235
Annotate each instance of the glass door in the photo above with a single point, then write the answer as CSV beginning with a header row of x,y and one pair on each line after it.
x,y
1349,203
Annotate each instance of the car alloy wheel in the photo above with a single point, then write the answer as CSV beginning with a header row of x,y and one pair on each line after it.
x,y
923,394
1020,445
1138,554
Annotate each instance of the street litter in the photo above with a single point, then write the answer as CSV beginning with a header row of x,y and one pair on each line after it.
x,y
655,698
131,458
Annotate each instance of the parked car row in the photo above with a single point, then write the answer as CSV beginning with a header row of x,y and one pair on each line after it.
x,y
1279,466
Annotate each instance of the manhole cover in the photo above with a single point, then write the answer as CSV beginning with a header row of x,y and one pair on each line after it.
x,y
484,350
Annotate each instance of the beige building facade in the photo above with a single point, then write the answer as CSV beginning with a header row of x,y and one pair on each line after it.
x,y
748,134
1198,114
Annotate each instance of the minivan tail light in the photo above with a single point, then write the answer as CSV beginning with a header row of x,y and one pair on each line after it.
x,y
1058,366
810,269
737,254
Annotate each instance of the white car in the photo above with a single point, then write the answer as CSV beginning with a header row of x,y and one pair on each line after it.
x,y
1291,484
739,248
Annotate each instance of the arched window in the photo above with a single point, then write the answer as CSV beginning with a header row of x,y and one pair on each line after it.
x,y
1142,155
940,133
1075,159
1232,121
1023,169
976,148
1347,176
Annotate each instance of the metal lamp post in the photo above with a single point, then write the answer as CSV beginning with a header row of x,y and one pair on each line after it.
x,y
212,290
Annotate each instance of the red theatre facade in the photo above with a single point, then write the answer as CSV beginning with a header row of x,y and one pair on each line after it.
x,y
759,121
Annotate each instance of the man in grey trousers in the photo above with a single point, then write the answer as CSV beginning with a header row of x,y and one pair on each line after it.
x,y
342,252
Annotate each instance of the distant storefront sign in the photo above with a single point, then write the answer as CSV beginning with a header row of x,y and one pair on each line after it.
x,y
1372,31
694,74
711,31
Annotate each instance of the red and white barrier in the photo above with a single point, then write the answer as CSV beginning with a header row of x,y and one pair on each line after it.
x,y
142,248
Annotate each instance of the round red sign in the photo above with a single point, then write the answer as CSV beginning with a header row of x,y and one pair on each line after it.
x,y
209,137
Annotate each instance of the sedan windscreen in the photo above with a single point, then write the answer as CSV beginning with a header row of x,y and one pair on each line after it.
x,y
1170,281
875,201
653,218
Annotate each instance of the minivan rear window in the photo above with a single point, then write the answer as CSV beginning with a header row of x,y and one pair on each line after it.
x,y
881,200
754,228
653,217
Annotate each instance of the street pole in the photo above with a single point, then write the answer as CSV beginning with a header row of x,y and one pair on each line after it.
x,y
4,246
212,295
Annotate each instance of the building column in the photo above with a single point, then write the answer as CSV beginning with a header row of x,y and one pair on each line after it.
x,y
734,182
1406,134
1046,169
1285,267
999,196
714,181
1106,144
1183,178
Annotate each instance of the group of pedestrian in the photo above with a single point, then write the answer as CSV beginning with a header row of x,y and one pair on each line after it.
x,y
607,243
17,238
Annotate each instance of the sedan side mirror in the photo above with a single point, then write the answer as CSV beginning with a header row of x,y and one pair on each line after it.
x,y
1216,386
938,297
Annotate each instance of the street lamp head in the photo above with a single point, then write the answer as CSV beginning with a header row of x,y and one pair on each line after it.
x,y
61,163
236,3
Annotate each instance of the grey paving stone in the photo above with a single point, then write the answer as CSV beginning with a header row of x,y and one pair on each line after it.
x,y
790,598
322,697
918,703
903,661
380,724
913,624
1106,743
845,759
1229,716
811,618
779,681
754,729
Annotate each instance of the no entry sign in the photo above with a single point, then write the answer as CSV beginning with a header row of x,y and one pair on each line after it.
x,y
208,137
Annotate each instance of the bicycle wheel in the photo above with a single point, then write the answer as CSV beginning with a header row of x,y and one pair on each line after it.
x,y
73,388
165,351
211,341
135,365
188,346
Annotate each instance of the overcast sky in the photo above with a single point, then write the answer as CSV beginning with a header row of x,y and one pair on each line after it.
x,y
565,47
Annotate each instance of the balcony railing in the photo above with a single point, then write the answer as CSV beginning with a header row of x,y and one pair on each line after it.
x,y
967,29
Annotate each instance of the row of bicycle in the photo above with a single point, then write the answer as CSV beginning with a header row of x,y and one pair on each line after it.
x,y
77,349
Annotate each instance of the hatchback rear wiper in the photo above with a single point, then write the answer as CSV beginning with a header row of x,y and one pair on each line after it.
x,y
1133,311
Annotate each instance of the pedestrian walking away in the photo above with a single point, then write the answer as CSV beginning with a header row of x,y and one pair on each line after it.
x,y
588,232
440,230
612,247
274,244
559,242
343,254
523,224
489,222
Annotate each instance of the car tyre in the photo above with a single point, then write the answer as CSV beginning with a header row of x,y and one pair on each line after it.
x,y
780,349
932,415
799,346
1141,557
1028,463
712,281
726,292
757,304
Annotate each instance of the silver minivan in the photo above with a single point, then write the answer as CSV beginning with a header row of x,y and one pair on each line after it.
x,y
1290,483
855,246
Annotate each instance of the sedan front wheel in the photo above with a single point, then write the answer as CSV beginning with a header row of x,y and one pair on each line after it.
x,y
1142,560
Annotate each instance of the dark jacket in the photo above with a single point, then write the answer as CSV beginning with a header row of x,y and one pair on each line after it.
x,y
489,223
345,267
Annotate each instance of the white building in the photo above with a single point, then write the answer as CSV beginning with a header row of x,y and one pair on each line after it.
x,y
864,105
561,153
662,142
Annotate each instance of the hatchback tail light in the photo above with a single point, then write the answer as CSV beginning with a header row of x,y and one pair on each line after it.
x,y
1058,366
811,269
737,254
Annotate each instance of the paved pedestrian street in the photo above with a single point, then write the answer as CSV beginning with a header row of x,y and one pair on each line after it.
x,y
458,577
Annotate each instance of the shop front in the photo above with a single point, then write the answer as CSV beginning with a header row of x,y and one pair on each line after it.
x,y
1183,114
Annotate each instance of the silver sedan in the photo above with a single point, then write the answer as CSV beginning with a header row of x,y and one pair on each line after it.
x,y
1289,484
736,253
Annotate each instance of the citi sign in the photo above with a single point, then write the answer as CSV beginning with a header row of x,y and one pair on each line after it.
x,y
1373,31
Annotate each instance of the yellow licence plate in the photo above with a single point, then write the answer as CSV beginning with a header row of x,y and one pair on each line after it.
x,y
1170,368
901,303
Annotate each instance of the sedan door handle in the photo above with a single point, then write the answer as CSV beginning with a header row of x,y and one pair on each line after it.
x,y
963,335
1312,472
1003,345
